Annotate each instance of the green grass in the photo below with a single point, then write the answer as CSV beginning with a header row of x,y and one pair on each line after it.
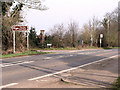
x,y
101,47
72,48
111,48
23,54
67,48
60,49
116,86
91,47
116,47
108,48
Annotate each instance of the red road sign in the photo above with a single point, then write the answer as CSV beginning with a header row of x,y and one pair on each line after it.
x,y
20,28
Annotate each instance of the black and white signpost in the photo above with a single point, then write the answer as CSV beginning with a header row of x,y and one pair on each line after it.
x,y
20,29
101,36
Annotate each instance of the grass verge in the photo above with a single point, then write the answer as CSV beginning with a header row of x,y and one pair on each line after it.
x,y
67,48
77,48
22,54
116,86
111,48
60,49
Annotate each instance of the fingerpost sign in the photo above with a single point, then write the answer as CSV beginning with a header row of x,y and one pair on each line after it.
x,y
20,29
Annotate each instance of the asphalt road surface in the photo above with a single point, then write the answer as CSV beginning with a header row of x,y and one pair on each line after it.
x,y
15,70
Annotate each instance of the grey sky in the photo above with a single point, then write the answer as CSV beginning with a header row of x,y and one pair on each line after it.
x,y
63,11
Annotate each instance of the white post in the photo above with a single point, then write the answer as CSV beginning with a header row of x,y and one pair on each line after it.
x,y
27,40
91,40
82,42
13,41
101,36
100,42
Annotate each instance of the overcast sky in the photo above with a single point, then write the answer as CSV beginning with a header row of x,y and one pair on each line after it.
x,y
63,11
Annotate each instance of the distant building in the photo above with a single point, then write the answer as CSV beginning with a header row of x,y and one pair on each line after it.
x,y
42,36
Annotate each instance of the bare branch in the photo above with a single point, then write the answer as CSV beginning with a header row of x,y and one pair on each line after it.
x,y
33,4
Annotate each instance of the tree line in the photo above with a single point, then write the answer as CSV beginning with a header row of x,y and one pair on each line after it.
x,y
89,35
60,35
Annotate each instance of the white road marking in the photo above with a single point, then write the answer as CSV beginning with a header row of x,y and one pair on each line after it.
x,y
15,62
18,57
71,55
71,68
47,58
22,56
73,51
8,85
12,64
1,65
87,53
61,56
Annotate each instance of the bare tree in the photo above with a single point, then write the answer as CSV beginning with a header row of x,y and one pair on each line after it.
x,y
57,33
8,20
34,4
90,30
110,24
93,26
73,31
86,34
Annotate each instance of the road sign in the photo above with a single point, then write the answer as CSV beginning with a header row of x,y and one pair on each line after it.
x,y
101,35
49,45
20,28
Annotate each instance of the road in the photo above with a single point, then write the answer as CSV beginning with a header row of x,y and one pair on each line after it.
x,y
15,70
